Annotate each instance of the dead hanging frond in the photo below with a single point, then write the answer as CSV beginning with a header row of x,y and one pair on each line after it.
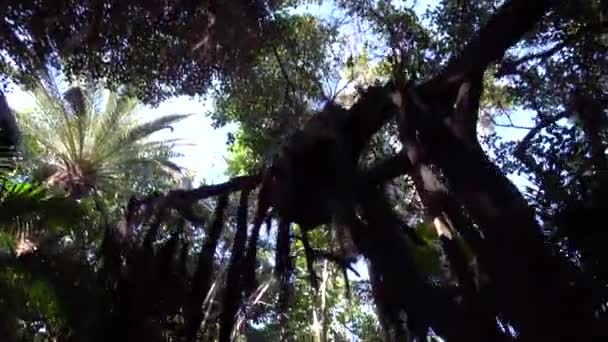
x,y
168,264
166,253
268,222
251,258
170,276
234,281
152,233
264,203
283,265
131,212
111,257
393,326
183,258
203,273
342,261
347,291
309,253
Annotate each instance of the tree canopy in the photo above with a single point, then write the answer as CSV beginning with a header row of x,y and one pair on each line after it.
x,y
193,42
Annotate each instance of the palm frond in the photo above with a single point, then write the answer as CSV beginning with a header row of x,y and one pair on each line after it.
x,y
111,124
79,104
167,164
146,129
111,104
158,163
25,206
44,134
95,94
171,142
130,138
52,114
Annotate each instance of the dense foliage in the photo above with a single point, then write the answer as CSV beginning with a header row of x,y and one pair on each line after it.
x,y
192,42
373,137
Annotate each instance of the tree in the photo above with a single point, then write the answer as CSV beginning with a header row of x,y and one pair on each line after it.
x,y
526,274
84,140
10,135
499,263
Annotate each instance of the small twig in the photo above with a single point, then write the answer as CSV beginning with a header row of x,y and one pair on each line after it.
x,y
525,142
509,118
512,126
338,91
509,125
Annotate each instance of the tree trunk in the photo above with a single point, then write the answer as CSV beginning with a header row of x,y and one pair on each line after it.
x,y
400,289
9,131
316,326
449,220
527,278
325,274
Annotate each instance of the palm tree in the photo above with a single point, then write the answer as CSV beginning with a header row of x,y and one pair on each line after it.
x,y
87,139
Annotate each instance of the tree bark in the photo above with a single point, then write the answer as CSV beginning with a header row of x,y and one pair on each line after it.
x,y
399,287
446,214
325,274
527,278
9,131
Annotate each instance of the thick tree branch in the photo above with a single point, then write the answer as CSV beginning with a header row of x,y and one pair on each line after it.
x,y
505,28
184,200
590,112
9,131
509,66
234,184
385,170
466,112
526,282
